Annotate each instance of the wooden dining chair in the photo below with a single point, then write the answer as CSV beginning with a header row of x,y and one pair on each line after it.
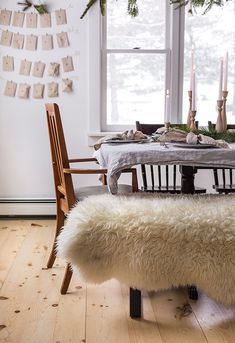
x,y
66,195
167,173
223,177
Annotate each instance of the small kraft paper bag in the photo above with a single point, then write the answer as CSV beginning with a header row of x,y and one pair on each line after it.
x,y
23,91
25,67
62,40
31,42
52,89
38,91
5,17
18,41
67,85
68,64
54,69
31,20
47,42
18,19
8,63
60,16
10,88
38,69
45,20
6,38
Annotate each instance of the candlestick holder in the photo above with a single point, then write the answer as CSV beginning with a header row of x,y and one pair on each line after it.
x,y
167,125
192,120
190,108
219,127
224,114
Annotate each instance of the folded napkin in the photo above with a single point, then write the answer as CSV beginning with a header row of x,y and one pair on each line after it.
x,y
172,135
124,136
202,139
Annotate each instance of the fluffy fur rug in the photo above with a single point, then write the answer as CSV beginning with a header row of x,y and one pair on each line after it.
x,y
155,243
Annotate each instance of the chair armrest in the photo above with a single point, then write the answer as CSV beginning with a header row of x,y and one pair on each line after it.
x,y
89,159
84,171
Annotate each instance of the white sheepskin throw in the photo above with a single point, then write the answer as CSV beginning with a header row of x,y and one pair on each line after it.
x,y
151,242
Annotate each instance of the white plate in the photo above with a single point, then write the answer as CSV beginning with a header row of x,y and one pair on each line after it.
x,y
116,141
194,146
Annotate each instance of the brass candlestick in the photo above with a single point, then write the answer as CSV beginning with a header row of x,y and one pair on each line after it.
x,y
190,108
219,123
224,115
192,120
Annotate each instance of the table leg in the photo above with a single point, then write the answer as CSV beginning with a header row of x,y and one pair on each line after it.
x,y
187,179
135,303
187,187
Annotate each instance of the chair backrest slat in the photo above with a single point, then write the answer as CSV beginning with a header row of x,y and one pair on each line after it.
x,y
174,176
59,155
152,176
167,177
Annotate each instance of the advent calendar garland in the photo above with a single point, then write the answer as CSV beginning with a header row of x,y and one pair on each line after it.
x,y
29,42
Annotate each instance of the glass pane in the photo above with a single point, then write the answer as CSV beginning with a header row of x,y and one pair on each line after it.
x,y
211,35
135,88
146,31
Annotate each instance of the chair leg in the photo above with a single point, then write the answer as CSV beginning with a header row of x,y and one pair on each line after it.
x,y
66,281
59,225
192,292
135,187
135,303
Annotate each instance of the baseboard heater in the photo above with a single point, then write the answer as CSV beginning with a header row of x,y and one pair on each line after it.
x,y
27,207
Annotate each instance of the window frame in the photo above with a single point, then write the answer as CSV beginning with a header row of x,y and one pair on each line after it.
x,y
174,51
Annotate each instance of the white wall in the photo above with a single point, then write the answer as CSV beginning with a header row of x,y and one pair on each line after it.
x,y
24,150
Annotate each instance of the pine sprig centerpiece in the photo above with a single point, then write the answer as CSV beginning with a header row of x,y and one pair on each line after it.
x,y
227,136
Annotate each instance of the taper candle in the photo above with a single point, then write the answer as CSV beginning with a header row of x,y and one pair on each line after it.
x,y
192,69
221,79
167,109
194,91
225,85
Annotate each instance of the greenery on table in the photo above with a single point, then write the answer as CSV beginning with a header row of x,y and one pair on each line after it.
x,y
227,136
133,11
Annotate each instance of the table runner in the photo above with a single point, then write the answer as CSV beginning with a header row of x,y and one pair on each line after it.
x,y
116,157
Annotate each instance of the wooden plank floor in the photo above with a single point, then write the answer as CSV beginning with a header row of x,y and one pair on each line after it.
x,y
33,311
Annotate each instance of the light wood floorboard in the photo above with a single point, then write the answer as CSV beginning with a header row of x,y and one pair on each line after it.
x,y
33,311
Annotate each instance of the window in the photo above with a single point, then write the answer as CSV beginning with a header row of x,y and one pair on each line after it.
x,y
211,35
135,63
144,57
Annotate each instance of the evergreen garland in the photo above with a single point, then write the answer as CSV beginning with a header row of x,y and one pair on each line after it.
x,y
227,136
133,11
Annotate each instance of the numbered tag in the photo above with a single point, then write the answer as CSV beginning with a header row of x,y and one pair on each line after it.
x,y
60,16
68,64
18,41
8,63
6,38
45,20
23,91
38,69
18,19
31,42
25,67
52,89
31,20
5,17
67,85
47,42
38,91
10,88
54,69
62,40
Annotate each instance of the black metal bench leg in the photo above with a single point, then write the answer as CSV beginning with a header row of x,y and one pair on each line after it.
x,y
192,292
135,303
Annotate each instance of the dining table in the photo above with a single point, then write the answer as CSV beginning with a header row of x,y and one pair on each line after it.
x,y
116,156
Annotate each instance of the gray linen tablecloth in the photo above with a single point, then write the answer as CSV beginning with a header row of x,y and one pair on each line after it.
x,y
116,157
